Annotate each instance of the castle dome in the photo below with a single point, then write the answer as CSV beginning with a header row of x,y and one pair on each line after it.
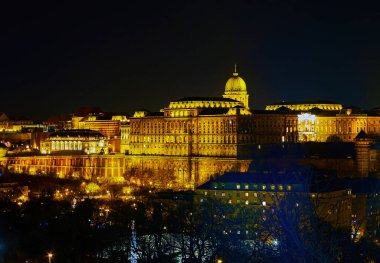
x,y
235,83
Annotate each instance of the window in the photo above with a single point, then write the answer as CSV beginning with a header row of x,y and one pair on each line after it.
x,y
223,194
246,186
246,202
289,187
247,194
237,186
272,187
263,187
280,187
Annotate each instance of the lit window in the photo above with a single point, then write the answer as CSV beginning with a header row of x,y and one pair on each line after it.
x,y
264,187
255,194
272,187
289,187
230,201
264,203
246,202
223,194
246,194
246,186
280,187
237,186
205,193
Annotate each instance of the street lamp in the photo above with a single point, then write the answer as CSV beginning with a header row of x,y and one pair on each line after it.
x,y
50,255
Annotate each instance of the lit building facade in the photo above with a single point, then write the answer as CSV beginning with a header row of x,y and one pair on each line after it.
x,y
346,125
192,127
79,140
324,122
109,126
196,126
14,124
125,130
209,126
266,189
169,171
274,127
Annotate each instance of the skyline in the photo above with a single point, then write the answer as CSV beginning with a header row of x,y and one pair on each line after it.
x,y
58,58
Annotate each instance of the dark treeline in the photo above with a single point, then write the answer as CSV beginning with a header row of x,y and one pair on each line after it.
x,y
173,228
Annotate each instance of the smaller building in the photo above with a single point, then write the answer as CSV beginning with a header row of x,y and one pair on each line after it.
x,y
268,187
365,207
306,105
75,141
14,123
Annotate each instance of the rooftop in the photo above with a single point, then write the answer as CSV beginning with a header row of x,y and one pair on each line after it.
x,y
206,99
304,102
76,133
214,111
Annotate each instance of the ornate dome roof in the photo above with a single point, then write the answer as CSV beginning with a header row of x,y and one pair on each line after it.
x,y
235,83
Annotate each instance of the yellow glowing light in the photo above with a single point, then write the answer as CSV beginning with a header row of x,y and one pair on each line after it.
x,y
50,256
306,117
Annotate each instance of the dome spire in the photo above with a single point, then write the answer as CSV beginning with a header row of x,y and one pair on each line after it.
x,y
235,73
236,89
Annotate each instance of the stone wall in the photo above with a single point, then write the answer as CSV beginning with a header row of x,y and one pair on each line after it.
x,y
162,171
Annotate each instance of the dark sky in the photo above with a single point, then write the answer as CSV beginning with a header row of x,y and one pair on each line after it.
x,y
57,57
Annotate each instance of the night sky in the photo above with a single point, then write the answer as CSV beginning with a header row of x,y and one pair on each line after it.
x,y
57,57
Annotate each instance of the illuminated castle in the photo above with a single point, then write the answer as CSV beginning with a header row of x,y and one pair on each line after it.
x,y
205,126
194,138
